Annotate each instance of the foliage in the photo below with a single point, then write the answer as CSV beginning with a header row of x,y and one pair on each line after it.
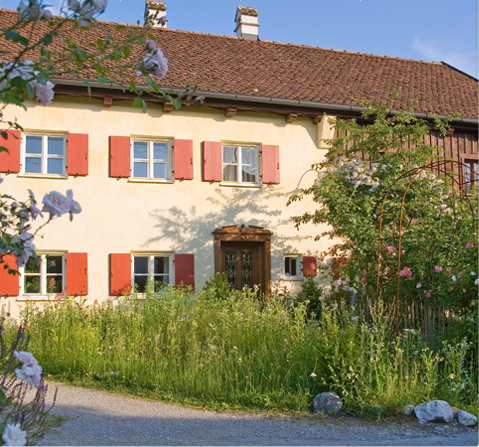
x,y
310,296
386,207
235,352
218,285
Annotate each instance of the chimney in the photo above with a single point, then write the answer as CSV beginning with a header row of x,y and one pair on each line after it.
x,y
155,14
247,23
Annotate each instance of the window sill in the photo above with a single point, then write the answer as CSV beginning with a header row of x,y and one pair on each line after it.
x,y
292,278
52,297
241,185
150,180
43,176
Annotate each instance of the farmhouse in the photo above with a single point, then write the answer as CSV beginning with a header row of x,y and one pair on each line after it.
x,y
177,195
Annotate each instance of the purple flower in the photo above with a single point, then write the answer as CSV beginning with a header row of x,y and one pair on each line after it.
x,y
57,204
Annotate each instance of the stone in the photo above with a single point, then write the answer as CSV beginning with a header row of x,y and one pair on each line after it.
x,y
434,411
327,403
455,410
408,410
467,419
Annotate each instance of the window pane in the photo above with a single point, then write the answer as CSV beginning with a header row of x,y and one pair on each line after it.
x,y
54,264
160,151
229,154
55,145
141,264
229,173
55,166
248,164
32,284
33,265
33,144
54,284
140,169
161,279
159,170
33,165
140,282
162,265
140,150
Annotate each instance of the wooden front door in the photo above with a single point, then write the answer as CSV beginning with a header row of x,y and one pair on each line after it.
x,y
242,264
244,255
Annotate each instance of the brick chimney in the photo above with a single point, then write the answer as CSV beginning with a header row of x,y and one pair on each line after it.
x,y
155,14
247,23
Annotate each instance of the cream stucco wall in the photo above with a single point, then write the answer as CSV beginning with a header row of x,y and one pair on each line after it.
x,y
120,216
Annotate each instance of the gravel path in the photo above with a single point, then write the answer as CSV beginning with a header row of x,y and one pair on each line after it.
x,y
98,418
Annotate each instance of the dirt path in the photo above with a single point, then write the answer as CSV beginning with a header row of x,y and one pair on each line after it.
x,y
97,418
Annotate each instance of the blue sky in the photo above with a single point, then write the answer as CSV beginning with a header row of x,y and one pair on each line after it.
x,y
433,30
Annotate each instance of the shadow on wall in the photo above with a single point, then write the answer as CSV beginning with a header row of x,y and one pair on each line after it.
x,y
191,230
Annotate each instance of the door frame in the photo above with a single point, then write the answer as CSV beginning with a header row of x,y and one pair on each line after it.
x,y
245,233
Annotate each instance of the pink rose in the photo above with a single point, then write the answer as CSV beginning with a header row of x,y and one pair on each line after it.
x,y
363,280
470,245
438,269
406,271
44,92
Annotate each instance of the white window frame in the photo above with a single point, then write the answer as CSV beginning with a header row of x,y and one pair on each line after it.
x,y
239,164
44,156
151,266
150,160
43,294
471,170
298,259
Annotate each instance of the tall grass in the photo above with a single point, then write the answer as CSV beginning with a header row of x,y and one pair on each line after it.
x,y
239,353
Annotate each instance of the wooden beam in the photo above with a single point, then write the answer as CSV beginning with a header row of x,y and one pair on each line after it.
x,y
230,112
168,107
291,117
107,101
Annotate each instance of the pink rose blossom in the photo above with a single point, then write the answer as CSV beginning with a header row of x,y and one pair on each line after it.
x,y
363,280
44,92
470,245
438,269
406,271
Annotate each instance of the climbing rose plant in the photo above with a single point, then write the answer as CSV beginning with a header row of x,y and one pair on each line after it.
x,y
372,162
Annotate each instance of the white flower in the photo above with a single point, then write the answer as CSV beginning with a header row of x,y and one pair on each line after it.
x,y
453,277
57,204
44,92
418,285
30,374
14,435
313,375
26,358
155,63
476,282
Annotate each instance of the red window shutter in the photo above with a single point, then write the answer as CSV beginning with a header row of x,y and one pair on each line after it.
x,y
77,274
77,154
120,273
212,161
338,264
270,161
309,266
9,284
185,269
183,159
10,161
120,156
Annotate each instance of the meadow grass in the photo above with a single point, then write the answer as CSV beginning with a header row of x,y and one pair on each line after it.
x,y
242,353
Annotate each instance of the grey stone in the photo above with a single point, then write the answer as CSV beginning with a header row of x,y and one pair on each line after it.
x,y
434,411
467,419
327,403
408,410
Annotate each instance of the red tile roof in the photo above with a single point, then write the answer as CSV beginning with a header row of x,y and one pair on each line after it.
x,y
223,64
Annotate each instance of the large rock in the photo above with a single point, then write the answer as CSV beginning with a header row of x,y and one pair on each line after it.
x,y
327,403
467,419
434,411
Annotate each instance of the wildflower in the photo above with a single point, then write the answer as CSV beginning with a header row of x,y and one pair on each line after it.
x,y
313,375
469,245
406,271
427,294
14,435
453,277
438,269
418,285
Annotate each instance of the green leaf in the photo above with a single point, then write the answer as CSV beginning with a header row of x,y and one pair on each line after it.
x,y
138,102
3,398
16,37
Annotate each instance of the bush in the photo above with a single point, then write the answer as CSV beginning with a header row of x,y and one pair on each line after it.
x,y
310,297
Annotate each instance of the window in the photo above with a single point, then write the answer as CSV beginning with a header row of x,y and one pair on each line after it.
x,y
292,268
44,275
151,268
240,164
471,174
152,160
45,154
